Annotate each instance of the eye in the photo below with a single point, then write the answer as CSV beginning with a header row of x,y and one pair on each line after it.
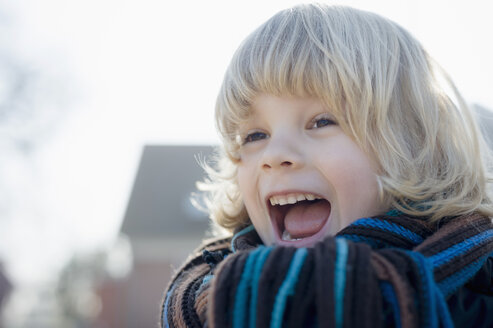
x,y
254,136
321,121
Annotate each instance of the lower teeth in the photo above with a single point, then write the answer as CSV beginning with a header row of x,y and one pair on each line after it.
x,y
287,237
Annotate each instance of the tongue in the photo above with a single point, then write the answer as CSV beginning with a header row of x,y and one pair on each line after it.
x,y
307,218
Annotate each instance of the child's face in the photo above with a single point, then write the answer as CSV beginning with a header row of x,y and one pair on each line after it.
x,y
292,151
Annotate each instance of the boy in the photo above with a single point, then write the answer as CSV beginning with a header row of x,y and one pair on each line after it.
x,y
356,186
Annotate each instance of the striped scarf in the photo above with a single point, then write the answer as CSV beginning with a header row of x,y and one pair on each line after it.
x,y
379,271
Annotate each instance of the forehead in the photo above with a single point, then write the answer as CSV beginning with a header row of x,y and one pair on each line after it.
x,y
266,102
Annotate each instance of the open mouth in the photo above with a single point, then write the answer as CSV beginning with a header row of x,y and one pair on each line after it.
x,y
298,216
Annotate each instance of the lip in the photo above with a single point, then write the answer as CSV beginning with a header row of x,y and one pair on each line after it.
x,y
305,242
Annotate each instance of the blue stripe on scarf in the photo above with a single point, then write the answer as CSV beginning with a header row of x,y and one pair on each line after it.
x,y
164,314
372,242
287,287
460,248
437,303
394,212
242,290
205,281
340,280
443,310
257,270
389,295
240,233
451,283
390,227
428,299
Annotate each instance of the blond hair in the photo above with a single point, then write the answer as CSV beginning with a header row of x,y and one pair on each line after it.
x,y
385,92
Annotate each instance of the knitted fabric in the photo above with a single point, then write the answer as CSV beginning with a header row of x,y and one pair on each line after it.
x,y
380,271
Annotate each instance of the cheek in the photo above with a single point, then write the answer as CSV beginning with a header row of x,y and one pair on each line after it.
x,y
247,172
245,181
359,193
351,174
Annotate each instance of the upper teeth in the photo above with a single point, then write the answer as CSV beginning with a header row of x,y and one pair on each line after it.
x,y
291,198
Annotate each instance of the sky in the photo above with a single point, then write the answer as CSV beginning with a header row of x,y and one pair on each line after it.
x,y
122,74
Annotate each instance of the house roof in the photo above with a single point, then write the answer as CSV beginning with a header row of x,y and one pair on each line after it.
x,y
159,204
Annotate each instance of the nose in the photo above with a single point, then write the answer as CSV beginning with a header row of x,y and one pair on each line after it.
x,y
282,152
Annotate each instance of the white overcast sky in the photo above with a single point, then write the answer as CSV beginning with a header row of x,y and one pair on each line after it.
x,y
147,72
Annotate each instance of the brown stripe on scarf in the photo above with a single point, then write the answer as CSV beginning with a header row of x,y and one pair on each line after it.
x,y
201,304
178,303
368,305
303,296
454,232
274,271
192,268
224,285
324,280
386,271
